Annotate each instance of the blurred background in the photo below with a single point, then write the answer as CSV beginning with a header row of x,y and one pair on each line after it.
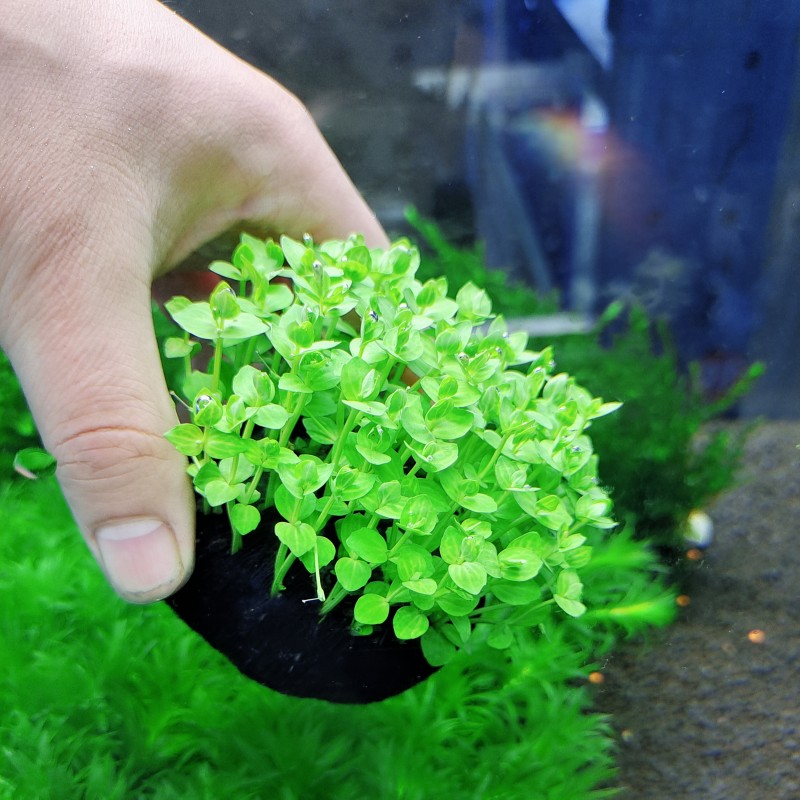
x,y
605,149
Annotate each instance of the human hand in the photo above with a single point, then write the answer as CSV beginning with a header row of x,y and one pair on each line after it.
x,y
127,141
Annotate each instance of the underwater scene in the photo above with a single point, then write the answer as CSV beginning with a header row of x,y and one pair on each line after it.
x,y
475,375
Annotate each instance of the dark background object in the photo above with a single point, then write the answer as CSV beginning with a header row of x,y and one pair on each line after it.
x,y
280,641
606,149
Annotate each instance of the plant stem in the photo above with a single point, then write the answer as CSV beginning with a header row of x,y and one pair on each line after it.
x,y
400,542
187,360
349,424
320,590
236,537
288,426
217,371
337,594
497,453
283,560
253,484
324,515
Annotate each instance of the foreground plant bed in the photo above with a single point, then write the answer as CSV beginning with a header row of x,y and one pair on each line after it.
x,y
281,641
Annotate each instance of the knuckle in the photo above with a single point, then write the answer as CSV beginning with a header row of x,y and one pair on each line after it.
x,y
110,456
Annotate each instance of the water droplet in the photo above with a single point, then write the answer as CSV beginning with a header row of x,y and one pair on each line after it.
x,y
308,241
463,356
316,265
201,402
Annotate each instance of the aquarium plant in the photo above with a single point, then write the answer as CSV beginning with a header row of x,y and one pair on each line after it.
x,y
655,454
17,430
442,258
658,456
427,478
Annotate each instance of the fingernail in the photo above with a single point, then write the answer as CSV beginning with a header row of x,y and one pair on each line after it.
x,y
140,558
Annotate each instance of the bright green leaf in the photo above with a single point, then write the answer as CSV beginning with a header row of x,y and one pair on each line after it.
x,y
187,439
469,576
245,518
352,573
299,538
371,609
368,544
409,623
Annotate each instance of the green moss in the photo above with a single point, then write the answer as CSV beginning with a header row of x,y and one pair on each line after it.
x,y
99,699
461,265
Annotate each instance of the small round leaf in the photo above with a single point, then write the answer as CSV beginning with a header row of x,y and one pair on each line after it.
x,y
409,623
371,609
352,573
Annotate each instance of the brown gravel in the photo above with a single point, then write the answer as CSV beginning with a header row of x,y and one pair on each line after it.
x,y
711,710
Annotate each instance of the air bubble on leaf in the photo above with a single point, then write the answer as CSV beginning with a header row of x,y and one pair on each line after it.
x,y
551,364
499,350
577,449
316,265
505,334
201,402
379,429
403,305
463,356
538,371
308,240
374,315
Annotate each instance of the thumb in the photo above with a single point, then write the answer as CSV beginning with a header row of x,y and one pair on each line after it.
x,y
93,379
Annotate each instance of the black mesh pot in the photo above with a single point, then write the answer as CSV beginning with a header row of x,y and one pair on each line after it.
x,y
281,641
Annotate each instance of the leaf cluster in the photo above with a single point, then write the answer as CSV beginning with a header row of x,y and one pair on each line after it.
x,y
657,453
17,429
442,475
440,257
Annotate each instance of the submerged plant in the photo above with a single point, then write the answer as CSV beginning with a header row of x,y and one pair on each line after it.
x,y
441,476
652,454
17,430
657,456
440,257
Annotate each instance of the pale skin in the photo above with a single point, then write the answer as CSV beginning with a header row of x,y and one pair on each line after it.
x,y
128,140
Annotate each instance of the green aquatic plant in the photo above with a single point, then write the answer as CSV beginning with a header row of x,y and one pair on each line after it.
x,y
17,430
460,265
441,475
655,454
101,699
